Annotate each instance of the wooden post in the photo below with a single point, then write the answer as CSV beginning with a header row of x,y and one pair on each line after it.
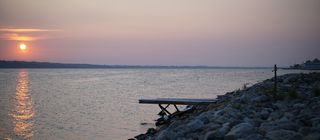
x,y
275,78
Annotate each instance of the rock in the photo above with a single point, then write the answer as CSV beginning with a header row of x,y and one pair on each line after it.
x,y
141,137
238,131
192,136
263,114
224,129
253,137
210,136
299,106
151,131
313,136
283,135
304,130
218,113
220,119
218,133
234,122
289,116
289,79
259,99
166,135
275,115
281,105
255,121
315,122
212,126
279,124
182,139
248,120
195,124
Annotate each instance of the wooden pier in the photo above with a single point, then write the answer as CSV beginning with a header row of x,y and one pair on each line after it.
x,y
175,102
164,113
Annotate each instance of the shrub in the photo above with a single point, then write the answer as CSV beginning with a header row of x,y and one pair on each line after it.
x,y
236,106
270,92
293,94
280,96
245,86
316,91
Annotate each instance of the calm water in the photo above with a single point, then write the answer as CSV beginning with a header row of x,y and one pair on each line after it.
x,y
102,103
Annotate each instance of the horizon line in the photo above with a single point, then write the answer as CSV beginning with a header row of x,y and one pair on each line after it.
x,y
143,65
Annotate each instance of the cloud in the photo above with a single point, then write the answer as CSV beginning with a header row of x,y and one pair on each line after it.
x,y
16,37
14,34
19,30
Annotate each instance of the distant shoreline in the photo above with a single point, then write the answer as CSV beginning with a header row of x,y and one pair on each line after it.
x,y
43,65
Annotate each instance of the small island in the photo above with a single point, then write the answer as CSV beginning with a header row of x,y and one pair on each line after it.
x,y
308,65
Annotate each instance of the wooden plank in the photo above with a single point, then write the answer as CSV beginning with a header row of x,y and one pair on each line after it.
x,y
178,101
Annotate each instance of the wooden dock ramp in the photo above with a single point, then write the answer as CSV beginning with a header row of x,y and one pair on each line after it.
x,y
167,115
177,101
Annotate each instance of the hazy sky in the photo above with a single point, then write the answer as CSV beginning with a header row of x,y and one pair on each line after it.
x,y
162,32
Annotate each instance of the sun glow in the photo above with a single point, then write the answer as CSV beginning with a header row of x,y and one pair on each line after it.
x,y
23,46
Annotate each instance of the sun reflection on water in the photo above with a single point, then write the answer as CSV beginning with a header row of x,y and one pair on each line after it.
x,y
23,112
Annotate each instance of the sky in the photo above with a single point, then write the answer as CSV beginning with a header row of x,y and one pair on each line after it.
x,y
163,32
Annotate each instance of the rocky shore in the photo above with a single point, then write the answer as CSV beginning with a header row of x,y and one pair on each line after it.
x,y
253,113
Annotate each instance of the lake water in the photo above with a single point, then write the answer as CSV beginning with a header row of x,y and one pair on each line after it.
x,y
101,104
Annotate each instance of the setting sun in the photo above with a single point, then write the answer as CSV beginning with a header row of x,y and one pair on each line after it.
x,y
23,46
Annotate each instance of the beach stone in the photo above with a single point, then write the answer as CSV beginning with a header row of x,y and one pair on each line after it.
x,y
304,130
141,137
151,131
232,112
239,131
195,124
248,120
283,135
212,126
218,113
259,99
224,129
166,135
263,114
182,138
253,137
315,122
280,124
312,136
289,79
220,119
254,121
282,105
275,115
218,133
246,97
210,136
204,117
299,106
289,116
